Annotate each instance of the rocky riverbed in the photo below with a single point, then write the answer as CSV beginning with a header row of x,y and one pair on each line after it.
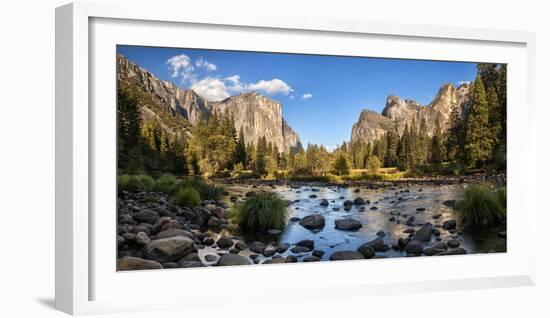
x,y
325,222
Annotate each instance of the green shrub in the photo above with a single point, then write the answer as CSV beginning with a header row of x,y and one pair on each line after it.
x,y
206,190
262,212
166,184
134,183
188,197
481,207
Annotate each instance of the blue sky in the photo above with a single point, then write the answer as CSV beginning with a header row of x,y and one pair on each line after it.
x,y
322,96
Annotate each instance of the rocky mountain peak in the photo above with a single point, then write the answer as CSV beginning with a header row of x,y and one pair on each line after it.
x,y
257,114
401,112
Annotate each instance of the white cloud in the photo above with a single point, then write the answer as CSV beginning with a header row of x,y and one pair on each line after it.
x,y
236,85
211,88
203,63
273,86
307,96
181,65
291,97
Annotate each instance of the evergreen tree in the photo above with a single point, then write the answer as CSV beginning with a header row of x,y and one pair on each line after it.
x,y
478,139
260,164
392,141
455,135
240,149
494,116
341,164
423,142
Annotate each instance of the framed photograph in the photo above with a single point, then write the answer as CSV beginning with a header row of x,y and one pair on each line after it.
x,y
266,156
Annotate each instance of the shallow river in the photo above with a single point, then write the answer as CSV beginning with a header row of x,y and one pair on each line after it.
x,y
402,203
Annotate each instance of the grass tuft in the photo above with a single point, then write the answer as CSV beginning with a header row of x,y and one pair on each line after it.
x,y
188,197
262,212
481,207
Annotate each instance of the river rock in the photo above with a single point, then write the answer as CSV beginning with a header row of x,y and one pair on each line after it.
x,y
214,222
318,253
306,243
210,258
190,264
449,203
232,259
126,219
169,249
381,233
281,248
257,247
435,249
453,243
129,263
146,216
449,225
224,242
291,259
300,249
268,252
402,242
454,251
345,255
359,201
366,251
348,224
414,247
377,244
348,203
424,234
241,246
324,202
420,209
294,219
175,232
142,238
250,194
312,222
311,259
218,212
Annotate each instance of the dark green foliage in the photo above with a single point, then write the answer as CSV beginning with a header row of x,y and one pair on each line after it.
x,y
261,212
479,141
135,183
240,150
341,165
436,148
188,197
481,207
260,161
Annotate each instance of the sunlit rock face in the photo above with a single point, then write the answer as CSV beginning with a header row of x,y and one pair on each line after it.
x,y
256,114
399,113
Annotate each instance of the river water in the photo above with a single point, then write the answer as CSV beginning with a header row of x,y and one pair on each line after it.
x,y
400,202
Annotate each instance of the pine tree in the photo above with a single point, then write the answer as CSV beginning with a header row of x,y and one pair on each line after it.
x,y
260,164
423,142
455,135
478,139
240,149
494,116
392,141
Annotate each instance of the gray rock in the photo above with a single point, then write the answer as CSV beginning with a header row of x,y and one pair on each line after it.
x,y
128,263
210,258
241,246
146,216
318,253
282,247
414,247
359,201
190,264
454,251
312,222
306,243
174,232
324,202
169,249
424,234
257,247
311,259
348,224
291,259
142,238
453,243
366,251
224,242
435,249
300,249
377,244
449,225
232,259
294,219
268,252
345,255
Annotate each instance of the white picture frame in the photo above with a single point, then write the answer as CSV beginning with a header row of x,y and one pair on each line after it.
x,y
85,34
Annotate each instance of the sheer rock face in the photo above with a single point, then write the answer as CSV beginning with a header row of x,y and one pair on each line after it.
x,y
370,126
400,112
258,115
182,101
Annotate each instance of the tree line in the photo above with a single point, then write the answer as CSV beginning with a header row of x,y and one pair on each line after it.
x,y
215,147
